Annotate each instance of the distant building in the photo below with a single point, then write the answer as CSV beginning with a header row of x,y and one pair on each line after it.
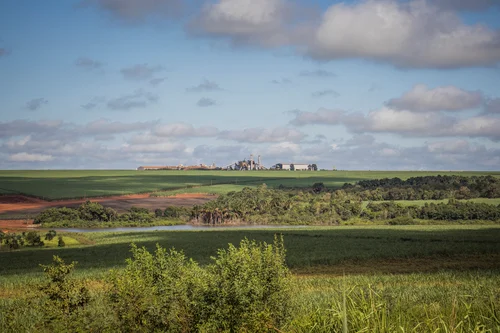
x,y
293,166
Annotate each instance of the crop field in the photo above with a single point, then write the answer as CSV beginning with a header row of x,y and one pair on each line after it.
x,y
67,184
383,279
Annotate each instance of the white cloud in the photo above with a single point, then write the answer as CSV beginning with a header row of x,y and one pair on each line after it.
x,y
493,106
447,98
25,157
261,135
184,130
408,34
244,21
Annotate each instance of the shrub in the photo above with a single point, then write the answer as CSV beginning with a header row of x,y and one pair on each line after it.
x,y
50,235
60,242
32,238
250,288
158,213
56,215
158,292
245,289
65,295
94,211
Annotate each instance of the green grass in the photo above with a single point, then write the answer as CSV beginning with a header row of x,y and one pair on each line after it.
x,y
64,184
397,279
308,248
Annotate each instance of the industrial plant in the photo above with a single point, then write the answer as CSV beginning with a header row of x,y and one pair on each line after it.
x,y
242,165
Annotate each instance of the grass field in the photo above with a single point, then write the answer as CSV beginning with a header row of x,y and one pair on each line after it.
x,y
66,184
308,248
382,279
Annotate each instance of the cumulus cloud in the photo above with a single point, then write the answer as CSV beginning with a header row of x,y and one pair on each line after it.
x,y
447,98
244,21
408,34
25,157
184,130
326,92
25,127
141,72
261,135
105,126
404,122
205,102
88,64
160,147
133,10
204,86
137,99
321,73
36,104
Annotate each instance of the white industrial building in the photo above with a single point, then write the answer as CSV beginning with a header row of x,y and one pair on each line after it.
x,y
296,166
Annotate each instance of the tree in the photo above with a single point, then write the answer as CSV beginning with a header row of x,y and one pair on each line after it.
x,y
50,235
61,242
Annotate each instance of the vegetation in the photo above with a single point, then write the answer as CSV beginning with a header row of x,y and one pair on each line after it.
x,y
425,188
93,214
53,184
244,289
263,205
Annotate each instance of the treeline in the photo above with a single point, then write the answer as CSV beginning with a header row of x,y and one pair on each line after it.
x,y
96,213
426,188
14,241
266,206
243,289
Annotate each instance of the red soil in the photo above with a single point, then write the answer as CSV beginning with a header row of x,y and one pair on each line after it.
x,y
22,205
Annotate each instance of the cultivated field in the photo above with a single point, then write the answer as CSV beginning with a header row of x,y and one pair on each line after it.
x,y
69,184
382,279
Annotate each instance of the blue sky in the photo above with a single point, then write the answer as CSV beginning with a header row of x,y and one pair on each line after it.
x,y
370,84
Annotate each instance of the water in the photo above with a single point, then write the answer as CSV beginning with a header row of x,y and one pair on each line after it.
x,y
178,227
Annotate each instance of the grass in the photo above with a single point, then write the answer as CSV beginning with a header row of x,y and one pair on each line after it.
x,y
375,279
66,184
309,249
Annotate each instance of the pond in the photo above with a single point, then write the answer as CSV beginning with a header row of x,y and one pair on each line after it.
x,y
178,227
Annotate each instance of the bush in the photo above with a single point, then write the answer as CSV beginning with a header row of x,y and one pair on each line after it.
x,y
402,220
94,211
57,214
158,213
61,242
246,289
32,238
250,288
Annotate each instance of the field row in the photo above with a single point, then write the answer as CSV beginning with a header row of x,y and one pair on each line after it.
x,y
66,184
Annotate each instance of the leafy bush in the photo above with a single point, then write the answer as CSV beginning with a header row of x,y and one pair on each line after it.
x,y
245,289
57,214
32,238
94,211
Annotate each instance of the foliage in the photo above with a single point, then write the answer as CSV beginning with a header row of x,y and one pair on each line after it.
x,y
65,295
32,238
263,205
60,242
50,235
426,188
249,289
246,289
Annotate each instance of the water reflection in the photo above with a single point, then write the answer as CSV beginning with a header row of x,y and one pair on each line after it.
x,y
178,227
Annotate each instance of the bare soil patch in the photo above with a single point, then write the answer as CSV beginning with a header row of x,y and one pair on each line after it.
x,y
22,205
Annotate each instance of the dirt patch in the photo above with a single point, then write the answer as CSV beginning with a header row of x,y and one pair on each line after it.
x,y
12,225
26,206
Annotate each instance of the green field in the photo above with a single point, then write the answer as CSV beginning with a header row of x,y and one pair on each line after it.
x,y
393,279
65,184
308,248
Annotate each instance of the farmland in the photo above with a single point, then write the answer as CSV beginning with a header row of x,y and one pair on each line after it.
x,y
374,278
418,278
68,184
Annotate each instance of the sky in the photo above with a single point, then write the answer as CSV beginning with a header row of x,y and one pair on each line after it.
x,y
351,85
